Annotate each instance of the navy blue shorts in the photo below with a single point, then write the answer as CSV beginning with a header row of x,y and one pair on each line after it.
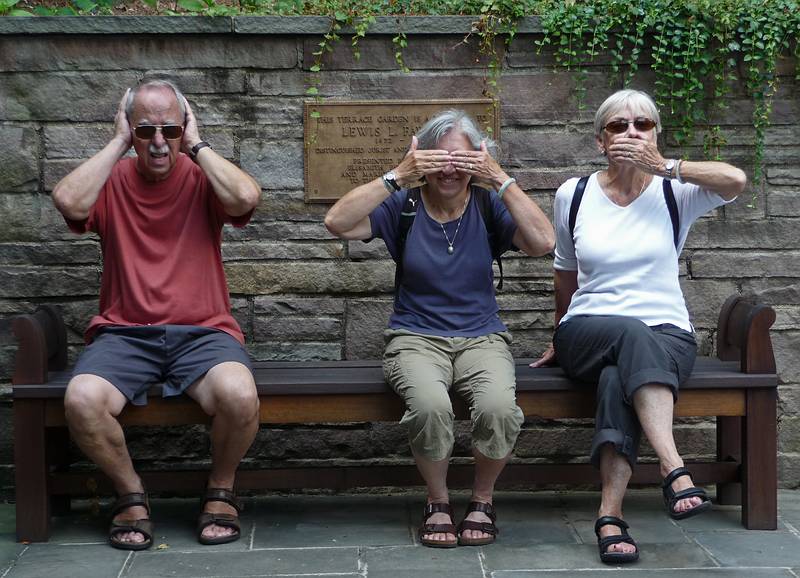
x,y
135,358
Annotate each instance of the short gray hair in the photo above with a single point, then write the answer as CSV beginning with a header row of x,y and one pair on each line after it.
x,y
453,119
622,99
155,83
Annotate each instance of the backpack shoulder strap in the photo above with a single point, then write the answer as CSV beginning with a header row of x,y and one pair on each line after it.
x,y
483,199
672,207
575,205
407,215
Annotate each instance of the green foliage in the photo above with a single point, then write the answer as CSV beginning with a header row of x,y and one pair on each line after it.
x,y
7,8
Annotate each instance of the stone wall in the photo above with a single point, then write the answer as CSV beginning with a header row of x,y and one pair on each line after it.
x,y
297,292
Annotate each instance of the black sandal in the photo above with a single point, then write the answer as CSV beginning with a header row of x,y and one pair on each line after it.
x,y
143,526
485,527
623,538
207,519
671,497
426,529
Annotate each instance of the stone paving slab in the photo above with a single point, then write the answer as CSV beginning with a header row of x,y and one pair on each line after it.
x,y
369,536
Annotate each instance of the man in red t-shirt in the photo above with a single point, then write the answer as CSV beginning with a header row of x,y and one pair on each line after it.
x,y
164,309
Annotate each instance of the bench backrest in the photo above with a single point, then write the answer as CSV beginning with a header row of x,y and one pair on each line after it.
x,y
42,345
743,334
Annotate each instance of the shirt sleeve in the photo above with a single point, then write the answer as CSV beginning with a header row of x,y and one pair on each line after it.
x,y
92,223
384,221
565,258
504,224
694,202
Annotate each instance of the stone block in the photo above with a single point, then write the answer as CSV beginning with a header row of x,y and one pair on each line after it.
x,y
57,169
420,85
366,321
22,216
525,302
322,277
290,206
64,96
750,264
713,233
56,253
747,207
283,306
786,344
251,250
245,111
526,267
294,351
783,176
147,52
704,299
204,80
275,165
789,471
549,148
293,83
789,400
262,230
789,434
19,149
295,328
540,438
783,203
25,281
787,317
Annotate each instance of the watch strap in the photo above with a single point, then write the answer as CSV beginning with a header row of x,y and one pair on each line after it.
x,y
196,149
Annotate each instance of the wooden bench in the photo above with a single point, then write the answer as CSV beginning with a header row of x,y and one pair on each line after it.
x,y
738,387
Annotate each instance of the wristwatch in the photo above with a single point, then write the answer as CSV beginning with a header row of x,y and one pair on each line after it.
x,y
196,149
390,182
669,165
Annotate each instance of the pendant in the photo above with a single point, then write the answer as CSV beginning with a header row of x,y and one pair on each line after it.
x,y
450,249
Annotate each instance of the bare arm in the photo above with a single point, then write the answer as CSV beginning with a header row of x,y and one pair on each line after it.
x,y
535,235
349,217
565,284
238,192
76,193
726,180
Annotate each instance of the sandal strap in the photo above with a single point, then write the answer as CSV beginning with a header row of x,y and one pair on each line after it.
x,y
674,475
437,529
126,501
436,508
143,527
226,520
222,495
611,521
693,492
604,543
483,507
486,527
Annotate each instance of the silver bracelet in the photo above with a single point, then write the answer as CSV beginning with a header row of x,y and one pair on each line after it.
x,y
504,186
678,171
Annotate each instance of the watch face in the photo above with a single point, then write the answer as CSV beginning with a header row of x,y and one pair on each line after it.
x,y
389,176
669,164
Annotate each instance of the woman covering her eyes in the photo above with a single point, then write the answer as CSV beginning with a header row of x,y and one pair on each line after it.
x,y
445,331
621,321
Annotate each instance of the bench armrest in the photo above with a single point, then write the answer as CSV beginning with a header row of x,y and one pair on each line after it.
x,y
42,346
743,334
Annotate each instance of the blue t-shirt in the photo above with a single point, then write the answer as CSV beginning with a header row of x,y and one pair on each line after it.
x,y
443,294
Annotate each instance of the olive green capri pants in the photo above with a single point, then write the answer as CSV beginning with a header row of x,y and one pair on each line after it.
x,y
423,368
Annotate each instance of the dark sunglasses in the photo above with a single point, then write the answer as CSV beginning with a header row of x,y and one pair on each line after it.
x,y
620,126
148,131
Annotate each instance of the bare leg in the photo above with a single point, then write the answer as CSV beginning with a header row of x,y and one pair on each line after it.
x,y
91,406
653,404
228,394
615,472
487,471
435,476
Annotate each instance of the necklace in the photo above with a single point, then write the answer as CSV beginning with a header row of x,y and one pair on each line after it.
x,y
450,249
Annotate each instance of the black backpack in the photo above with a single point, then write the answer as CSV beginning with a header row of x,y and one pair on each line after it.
x,y
409,212
669,198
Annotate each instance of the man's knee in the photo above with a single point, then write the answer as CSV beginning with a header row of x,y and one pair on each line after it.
x,y
234,390
88,397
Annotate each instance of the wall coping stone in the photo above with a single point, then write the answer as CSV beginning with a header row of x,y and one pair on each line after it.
x,y
284,25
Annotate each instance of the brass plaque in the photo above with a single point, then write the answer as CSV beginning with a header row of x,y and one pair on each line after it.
x,y
349,143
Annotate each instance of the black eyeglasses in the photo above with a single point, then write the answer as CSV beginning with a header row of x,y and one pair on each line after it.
x,y
148,131
620,126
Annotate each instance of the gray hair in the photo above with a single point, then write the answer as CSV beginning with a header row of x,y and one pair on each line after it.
x,y
155,83
634,99
440,125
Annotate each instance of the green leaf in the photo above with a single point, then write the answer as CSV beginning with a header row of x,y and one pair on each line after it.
x,y
191,5
315,114
18,12
312,91
85,5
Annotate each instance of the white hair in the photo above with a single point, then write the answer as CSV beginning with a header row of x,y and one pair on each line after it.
x,y
636,100
155,83
440,125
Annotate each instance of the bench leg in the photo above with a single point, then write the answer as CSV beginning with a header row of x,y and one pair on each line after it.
x,y
729,449
30,466
58,457
760,461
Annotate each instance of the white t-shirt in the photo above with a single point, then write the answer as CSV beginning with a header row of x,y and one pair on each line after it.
x,y
625,256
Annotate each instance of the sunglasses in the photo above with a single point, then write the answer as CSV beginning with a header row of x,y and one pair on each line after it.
x,y
620,126
148,131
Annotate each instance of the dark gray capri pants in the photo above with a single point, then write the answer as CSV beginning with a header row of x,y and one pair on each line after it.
x,y
621,354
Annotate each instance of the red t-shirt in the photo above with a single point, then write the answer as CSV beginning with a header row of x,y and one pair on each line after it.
x,y
162,262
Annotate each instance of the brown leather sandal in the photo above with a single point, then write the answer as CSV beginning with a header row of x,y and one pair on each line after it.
x,y
207,519
428,529
486,527
143,526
